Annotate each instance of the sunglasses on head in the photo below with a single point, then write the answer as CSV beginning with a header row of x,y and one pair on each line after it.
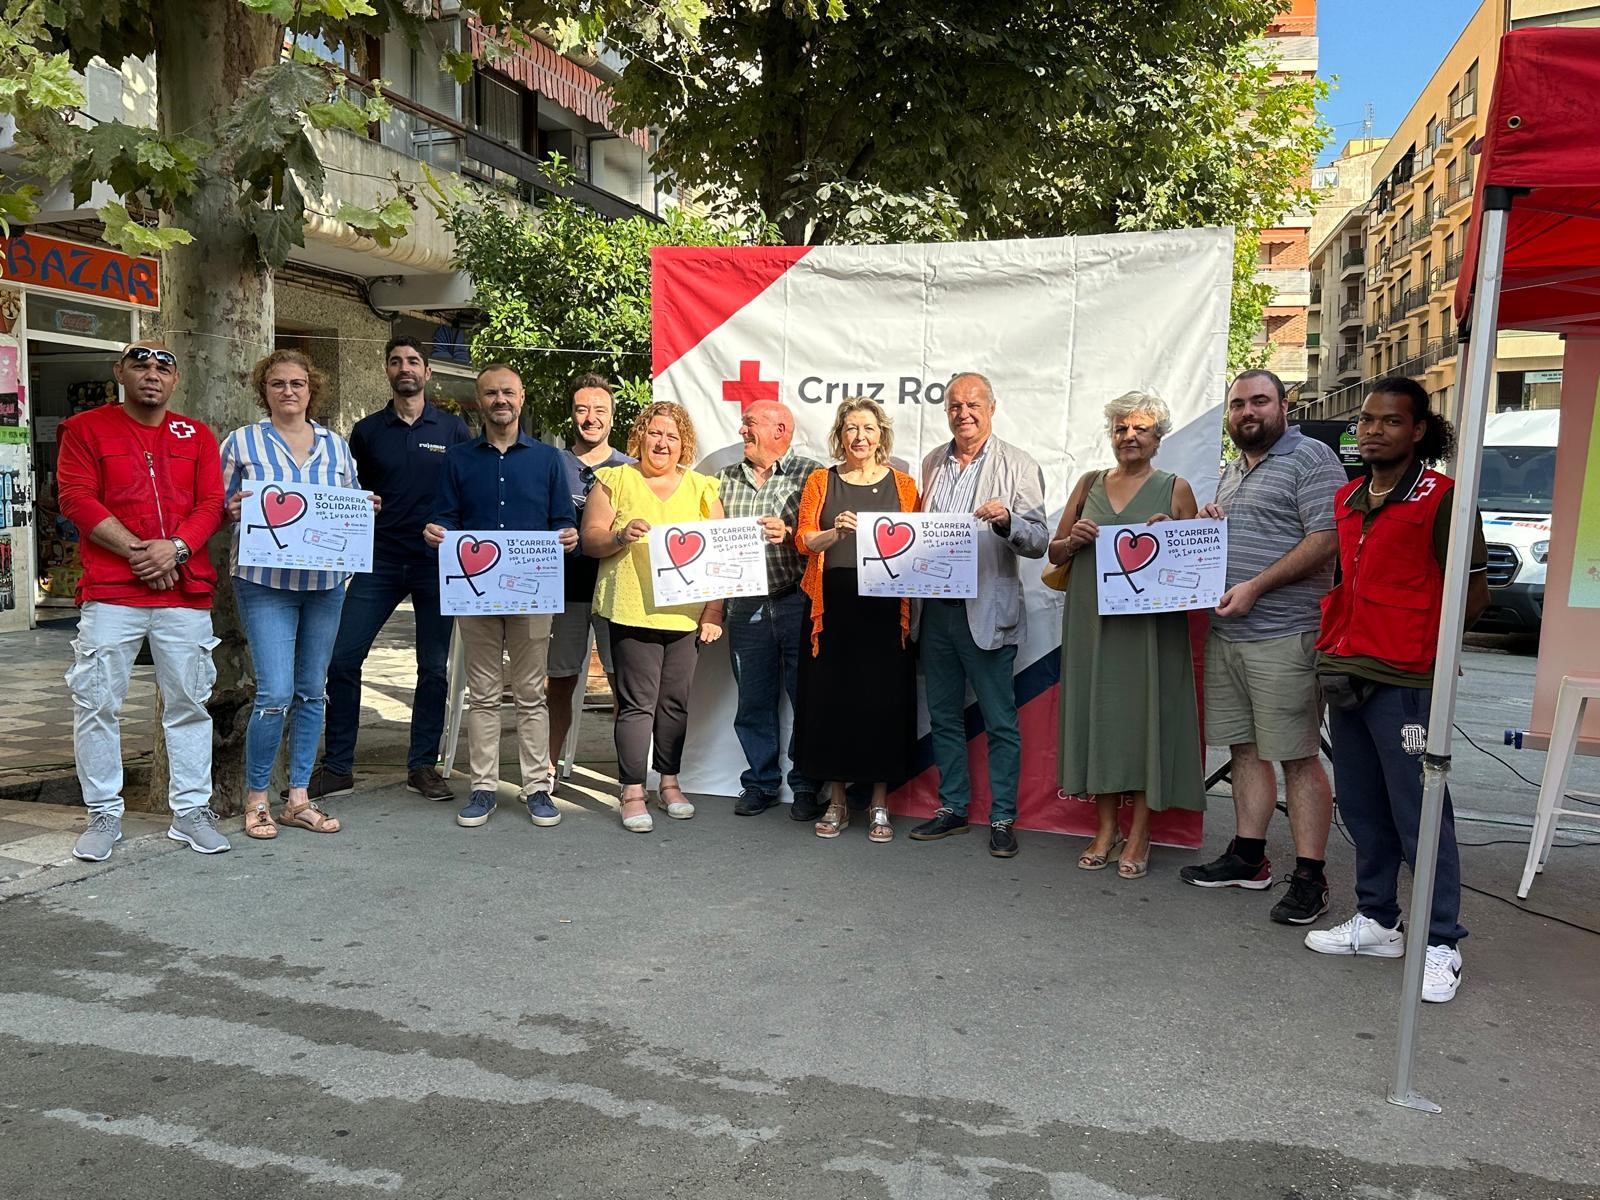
x,y
139,355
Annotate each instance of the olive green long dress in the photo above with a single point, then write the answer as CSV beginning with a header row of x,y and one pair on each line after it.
x,y
1128,715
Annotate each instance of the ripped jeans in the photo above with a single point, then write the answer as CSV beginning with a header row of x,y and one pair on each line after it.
x,y
181,642
291,640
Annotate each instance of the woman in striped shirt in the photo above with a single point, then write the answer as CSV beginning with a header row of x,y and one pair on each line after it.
x,y
290,616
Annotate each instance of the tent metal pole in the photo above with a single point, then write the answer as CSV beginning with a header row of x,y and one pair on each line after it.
x,y
1474,393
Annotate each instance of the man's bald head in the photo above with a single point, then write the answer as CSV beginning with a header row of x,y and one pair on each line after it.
x,y
767,428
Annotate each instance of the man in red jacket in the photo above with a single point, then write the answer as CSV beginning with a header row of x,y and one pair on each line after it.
x,y
144,487
1380,628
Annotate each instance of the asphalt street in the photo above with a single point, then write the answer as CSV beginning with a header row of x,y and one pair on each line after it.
x,y
730,1007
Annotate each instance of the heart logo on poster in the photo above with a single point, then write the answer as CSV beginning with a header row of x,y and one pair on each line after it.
x,y
280,508
476,556
892,538
683,548
1136,551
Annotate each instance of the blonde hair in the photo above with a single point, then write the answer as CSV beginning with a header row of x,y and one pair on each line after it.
x,y
316,381
861,404
680,418
1129,403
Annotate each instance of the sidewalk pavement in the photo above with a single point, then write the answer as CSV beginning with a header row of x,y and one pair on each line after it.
x,y
731,1007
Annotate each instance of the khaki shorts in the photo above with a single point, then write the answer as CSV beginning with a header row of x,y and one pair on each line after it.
x,y
569,641
1264,692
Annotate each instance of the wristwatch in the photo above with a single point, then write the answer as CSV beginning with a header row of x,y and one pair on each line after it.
x,y
183,550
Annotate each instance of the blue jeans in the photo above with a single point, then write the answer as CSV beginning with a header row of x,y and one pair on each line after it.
x,y
950,661
291,637
1377,778
764,639
368,605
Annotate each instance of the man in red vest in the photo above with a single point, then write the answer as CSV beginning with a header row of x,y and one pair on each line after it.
x,y
1380,624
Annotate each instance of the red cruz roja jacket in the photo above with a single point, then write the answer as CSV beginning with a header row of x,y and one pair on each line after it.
x,y
1390,593
163,481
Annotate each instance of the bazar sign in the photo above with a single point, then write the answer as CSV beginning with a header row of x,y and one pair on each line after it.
x,y
61,266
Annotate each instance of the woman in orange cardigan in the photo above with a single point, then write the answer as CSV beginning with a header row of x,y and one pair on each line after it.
x,y
856,709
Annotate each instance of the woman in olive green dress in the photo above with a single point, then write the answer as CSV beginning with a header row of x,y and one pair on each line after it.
x,y
1129,723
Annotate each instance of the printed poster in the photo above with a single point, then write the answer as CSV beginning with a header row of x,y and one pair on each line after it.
x,y
1584,590
926,555
1170,566
306,527
695,561
500,572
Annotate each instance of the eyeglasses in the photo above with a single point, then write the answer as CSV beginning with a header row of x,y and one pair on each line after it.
x,y
166,361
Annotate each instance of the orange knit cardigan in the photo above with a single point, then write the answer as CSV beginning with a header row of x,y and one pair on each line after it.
x,y
816,491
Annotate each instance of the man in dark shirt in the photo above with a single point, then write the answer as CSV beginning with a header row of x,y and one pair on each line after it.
x,y
399,452
590,398
505,480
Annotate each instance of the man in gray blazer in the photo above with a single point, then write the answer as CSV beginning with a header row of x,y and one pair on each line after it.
x,y
975,641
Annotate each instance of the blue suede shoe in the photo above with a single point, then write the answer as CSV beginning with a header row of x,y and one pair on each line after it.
x,y
541,810
477,811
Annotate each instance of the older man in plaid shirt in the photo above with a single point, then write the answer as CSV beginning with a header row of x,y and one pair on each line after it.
x,y
765,633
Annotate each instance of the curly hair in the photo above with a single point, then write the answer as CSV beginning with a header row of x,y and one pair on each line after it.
x,y
1438,442
316,381
1148,403
680,418
861,404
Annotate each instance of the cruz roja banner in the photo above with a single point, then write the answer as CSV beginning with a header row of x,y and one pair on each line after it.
x,y
1060,326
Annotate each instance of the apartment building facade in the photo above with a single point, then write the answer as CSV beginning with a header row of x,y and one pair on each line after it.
x,y
1284,258
1335,333
1415,231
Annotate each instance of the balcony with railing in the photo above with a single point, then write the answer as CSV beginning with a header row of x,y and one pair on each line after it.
x,y
1350,361
1425,159
1354,259
1315,300
1452,267
1414,298
1350,313
1458,189
1421,233
1440,210
1463,108
1373,329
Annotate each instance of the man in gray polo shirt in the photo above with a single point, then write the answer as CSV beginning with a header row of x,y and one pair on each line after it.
x,y
1261,694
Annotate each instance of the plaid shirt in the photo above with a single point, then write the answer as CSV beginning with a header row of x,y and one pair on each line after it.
x,y
778,497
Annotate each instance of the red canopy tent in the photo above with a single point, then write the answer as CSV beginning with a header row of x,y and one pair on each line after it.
x,y
1532,261
1542,141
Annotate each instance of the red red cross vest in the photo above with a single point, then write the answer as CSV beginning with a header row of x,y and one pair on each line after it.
x,y
1390,593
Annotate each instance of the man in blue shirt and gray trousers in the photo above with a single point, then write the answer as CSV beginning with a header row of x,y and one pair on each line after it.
x,y
505,480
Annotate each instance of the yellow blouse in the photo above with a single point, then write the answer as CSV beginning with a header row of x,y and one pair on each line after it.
x,y
624,592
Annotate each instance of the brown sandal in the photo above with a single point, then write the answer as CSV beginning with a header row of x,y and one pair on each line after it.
x,y
834,820
1088,861
878,827
258,821
309,816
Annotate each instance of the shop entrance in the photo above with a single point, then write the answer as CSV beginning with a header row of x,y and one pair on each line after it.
x,y
64,377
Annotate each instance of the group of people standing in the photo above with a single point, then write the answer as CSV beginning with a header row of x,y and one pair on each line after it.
x,y
147,487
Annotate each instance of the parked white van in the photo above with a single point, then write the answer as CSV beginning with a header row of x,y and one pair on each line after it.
x,y
1515,498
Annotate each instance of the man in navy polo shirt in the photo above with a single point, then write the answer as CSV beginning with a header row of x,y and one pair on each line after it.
x,y
399,452
505,480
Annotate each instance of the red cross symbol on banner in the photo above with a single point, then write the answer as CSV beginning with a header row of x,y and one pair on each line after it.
x,y
749,387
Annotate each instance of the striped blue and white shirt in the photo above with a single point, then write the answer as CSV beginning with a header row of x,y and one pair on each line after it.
x,y
954,488
255,455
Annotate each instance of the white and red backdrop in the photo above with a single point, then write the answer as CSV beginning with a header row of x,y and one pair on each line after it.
x,y
1060,325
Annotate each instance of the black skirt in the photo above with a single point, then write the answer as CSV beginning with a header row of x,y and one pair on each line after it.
x,y
856,718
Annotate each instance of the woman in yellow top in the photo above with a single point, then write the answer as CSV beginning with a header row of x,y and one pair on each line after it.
x,y
653,648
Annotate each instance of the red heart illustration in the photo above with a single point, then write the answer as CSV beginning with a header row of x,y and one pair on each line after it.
x,y
1136,551
683,548
892,538
280,508
476,556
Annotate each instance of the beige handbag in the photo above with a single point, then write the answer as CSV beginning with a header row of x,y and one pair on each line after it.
x,y
1056,574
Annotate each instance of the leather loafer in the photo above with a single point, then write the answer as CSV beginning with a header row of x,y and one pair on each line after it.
x,y
942,824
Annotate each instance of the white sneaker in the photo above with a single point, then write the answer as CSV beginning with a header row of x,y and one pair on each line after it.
x,y
1359,935
1441,974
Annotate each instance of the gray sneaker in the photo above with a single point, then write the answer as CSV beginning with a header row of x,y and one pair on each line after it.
x,y
95,842
197,828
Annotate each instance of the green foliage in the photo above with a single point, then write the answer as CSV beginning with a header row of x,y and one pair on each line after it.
x,y
882,121
565,279
260,144
122,230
